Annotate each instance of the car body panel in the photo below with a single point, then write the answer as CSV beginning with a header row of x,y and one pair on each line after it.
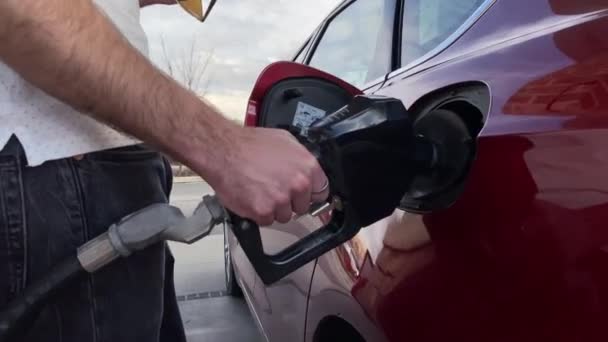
x,y
246,279
285,303
522,254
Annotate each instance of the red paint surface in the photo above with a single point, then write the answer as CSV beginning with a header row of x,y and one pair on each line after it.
x,y
290,294
282,71
523,254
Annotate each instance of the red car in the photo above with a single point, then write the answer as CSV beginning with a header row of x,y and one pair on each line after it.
x,y
514,249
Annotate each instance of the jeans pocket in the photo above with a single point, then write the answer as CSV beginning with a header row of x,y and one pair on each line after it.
x,y
168,177
12,230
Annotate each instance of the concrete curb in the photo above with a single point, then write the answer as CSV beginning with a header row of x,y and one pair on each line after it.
x,y
189,179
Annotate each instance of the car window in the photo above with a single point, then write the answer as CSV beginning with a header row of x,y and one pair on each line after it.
x,y
356,45
428,23
302,53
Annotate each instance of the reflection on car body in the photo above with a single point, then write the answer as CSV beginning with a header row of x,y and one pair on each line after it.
x,y
517,251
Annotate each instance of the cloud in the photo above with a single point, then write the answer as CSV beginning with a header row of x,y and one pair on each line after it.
x,y
242,36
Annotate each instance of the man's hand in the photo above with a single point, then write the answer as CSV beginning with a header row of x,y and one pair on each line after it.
x,y
72,51
268,176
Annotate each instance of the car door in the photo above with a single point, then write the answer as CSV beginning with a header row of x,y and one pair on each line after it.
x,y
519,257
281,308
357,287
288,96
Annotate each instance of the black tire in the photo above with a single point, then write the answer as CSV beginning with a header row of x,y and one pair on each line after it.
x,y
333,328
232,287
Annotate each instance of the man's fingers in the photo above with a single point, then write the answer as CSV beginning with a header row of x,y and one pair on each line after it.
x,y
281,177
301,194
264,220
283,213
320,185
320,197
264,213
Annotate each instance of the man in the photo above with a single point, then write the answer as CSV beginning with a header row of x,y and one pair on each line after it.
x,y
69,71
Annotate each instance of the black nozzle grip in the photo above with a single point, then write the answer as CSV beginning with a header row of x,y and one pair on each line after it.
x,y
272,268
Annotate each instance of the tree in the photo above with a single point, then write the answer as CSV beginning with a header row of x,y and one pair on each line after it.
x,y
189,68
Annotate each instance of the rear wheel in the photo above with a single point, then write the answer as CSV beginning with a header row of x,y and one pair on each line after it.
x,y
334,328
232,286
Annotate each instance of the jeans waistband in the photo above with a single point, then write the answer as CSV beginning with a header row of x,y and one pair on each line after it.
x,y
13,148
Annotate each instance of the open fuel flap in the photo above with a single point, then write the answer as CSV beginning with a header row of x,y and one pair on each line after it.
x,y
365,144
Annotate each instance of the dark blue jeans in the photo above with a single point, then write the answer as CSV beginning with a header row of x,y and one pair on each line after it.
x,y
47,212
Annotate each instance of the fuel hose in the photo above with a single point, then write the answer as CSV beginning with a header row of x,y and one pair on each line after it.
x,y
18,316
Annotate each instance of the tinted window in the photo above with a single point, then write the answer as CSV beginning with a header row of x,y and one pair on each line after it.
x,y
356,45
428,23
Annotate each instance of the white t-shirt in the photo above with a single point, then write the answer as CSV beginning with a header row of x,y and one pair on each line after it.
x,y
49,129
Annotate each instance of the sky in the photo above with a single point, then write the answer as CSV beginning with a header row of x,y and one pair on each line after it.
x,y
238,40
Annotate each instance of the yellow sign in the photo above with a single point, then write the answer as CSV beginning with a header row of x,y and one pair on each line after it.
x,y
197,8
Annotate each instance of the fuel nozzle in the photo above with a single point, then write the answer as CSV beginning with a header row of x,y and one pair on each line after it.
x,y
370,153
363,112
373,115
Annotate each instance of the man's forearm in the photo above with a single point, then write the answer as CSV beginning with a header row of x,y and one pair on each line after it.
x,y
73,52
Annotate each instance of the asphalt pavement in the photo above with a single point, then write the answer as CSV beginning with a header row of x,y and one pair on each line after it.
x,y
208,313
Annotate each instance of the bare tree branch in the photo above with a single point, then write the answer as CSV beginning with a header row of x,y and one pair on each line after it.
x,y
189,68
168,63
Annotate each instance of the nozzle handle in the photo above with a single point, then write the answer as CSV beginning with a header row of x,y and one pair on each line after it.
x,y
370,155
273,267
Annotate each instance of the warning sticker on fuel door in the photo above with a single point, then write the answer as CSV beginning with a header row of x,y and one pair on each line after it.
x,y
306,115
